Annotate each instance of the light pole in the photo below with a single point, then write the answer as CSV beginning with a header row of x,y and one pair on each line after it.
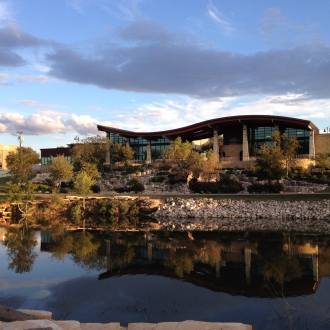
x,y
20,139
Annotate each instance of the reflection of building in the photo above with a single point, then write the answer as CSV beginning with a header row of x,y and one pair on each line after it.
x,y
236,267
242,137
4,150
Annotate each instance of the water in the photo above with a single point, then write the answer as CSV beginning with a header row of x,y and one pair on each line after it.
x,y
270,280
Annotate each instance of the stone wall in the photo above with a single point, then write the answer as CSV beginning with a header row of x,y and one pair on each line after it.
x,y
322,143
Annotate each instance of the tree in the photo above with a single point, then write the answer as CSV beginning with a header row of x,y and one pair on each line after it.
x,y
323,161
270,159
91,150
269,163
20,163
289,147
82,185
121,153
60,169
14,193
181,154
91,170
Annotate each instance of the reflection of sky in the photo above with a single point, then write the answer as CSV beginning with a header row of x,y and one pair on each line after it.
x,y
71,292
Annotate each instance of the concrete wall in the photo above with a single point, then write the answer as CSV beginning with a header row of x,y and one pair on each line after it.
x,y
231,150
4,150
322,143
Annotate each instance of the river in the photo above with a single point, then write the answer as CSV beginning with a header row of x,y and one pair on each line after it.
x,y
272,280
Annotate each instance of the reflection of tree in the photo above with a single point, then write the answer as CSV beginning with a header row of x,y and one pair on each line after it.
x,y
20,243
122,254
275,262
211,253
61,243
84,244
181,262
85,248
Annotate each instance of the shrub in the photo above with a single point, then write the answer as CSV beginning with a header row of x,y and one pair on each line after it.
x,y
224,186
42,187
158,179
64,190
95,188
272,188
165,168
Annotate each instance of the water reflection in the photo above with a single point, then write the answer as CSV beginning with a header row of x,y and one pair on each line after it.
x,y
251,264
20,243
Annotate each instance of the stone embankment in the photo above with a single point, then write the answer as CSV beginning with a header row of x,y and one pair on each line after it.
x,y
226,214
24,319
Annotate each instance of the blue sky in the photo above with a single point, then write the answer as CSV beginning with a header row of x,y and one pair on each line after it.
x,y
149,65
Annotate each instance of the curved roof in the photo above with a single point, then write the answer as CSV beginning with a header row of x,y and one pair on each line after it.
x,y
205,129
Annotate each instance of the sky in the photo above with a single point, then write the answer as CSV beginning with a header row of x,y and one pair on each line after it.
x,y
151,65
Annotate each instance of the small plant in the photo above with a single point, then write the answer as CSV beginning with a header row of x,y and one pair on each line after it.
x,y
158,179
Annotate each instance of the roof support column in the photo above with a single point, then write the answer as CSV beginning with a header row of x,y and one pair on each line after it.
x,y
245,144
148,151
107,152
216,144
247,257
311,145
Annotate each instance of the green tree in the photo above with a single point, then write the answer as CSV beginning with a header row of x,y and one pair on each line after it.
x,y
90,150
29,190
323,161
183,157
121,153
269,163
289,146
14,193
20,163
82,185
91,170
270,159
60,169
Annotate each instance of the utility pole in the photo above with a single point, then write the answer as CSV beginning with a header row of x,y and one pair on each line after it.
x,y
20,139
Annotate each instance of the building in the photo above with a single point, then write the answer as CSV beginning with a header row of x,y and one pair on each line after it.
x,y
242,137
4,150
47,154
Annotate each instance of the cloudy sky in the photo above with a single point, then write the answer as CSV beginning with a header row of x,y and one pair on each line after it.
x,y
149,65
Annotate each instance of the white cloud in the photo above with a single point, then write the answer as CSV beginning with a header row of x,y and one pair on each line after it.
x,y
5,12
186,111
219,18
23,79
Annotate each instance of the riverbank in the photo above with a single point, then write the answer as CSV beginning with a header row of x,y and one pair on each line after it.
x,y
11,319
228,214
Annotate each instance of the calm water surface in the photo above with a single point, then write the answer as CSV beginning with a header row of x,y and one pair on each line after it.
x,y
270,280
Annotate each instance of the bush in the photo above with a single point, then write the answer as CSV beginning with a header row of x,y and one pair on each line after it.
x,y
136,185
158,179
224,186
162,173
271,188
173,179
164,168
42,187
64,190
96,188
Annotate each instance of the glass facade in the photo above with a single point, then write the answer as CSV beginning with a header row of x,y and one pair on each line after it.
x,y
259,136
302,136
157,147
48,160
139,145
